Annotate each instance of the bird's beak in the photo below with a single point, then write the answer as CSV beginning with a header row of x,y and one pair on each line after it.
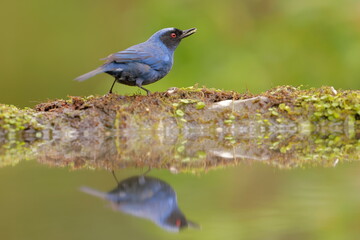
x,y
193,225
188,32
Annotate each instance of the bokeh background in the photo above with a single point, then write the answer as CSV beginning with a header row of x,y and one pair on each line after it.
x,y
240,44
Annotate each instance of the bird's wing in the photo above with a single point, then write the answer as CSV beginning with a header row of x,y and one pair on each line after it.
x,y
128,55
134,55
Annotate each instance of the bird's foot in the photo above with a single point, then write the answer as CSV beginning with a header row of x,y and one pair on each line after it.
x,y
146,90
108,93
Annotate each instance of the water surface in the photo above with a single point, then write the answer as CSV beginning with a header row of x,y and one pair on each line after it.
x,y
234,188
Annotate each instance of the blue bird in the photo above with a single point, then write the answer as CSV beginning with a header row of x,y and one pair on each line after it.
x,y
143,63
146,197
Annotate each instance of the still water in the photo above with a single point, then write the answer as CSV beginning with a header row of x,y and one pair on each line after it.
x,y
218,188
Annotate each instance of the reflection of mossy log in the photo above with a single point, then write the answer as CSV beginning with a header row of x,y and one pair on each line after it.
x,y
280,119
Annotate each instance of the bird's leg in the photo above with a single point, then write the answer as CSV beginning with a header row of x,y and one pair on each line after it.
x,y
139,84
147,91
147,171
142,176
113,173
110,91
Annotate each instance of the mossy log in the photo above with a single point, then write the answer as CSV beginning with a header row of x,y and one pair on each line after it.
x,y
159,130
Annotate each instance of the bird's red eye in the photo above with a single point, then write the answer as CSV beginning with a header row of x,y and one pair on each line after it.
x,y
173,35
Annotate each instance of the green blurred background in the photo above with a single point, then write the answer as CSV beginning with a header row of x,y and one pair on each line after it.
x,y
240,44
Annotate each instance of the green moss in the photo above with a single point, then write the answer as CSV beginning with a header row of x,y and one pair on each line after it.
x,y
200,105
14,151
320,107
179,113
14,120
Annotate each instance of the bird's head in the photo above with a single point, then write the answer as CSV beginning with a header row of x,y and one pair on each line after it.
x,y
171,37
176,221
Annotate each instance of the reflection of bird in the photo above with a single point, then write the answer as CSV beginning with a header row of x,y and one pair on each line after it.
x,y
146,197
143,63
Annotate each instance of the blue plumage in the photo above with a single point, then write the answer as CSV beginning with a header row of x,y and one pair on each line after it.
x,y
149,198
143,63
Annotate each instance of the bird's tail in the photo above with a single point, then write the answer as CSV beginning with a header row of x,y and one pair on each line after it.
x,y
90,74
94,192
